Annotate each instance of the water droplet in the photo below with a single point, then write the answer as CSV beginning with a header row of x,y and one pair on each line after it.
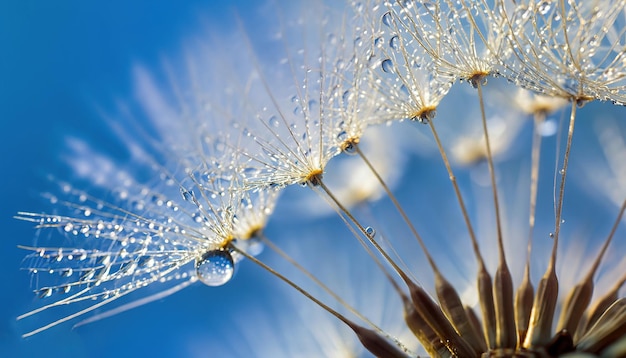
x,y
145,261
394,42
45,292
387,19
349,148
215,268
186,194
273,121
370,232
387,65
562,171
347,95
552,235
544,7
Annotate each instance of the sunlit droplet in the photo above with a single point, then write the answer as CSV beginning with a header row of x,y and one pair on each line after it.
x,y
215,268
387,18
394,42
273,121
387,66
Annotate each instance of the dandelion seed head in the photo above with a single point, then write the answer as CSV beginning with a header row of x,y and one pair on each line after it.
x,y
405,82
311,102
572,51
166,223
533,103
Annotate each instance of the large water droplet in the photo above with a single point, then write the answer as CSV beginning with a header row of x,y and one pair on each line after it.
x,y
387,66
370,232
215,268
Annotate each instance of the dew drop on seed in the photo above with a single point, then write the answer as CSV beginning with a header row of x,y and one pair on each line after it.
x,y
370,232
387,66
349,149
215,268
46,292
186,194
273,121
146,261
394,42
387,19
544,7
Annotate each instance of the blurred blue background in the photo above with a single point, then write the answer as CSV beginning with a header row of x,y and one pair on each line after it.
x,y
62,62
59,63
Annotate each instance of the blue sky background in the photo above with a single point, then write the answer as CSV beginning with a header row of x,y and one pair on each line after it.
x,y
62,61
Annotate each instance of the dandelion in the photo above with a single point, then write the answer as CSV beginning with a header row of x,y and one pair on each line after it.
x,y
314,96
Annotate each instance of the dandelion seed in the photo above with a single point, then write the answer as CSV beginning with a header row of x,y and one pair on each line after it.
x,y
567,49
169,234
405,83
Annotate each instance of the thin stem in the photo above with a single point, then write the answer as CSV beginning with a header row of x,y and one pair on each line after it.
x,y
563,172
485,287
539,117
503,285
459,197
429,310
525,291
398,207
344,210
492,173
317,281
448,297
369,339
580,296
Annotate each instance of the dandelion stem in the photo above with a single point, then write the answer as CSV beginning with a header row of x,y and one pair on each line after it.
x,y
485,288
448,297
398,207
317,281
580,296
545,301
503,285
459,197
370,339
525,291
603,303
424,305
563,172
